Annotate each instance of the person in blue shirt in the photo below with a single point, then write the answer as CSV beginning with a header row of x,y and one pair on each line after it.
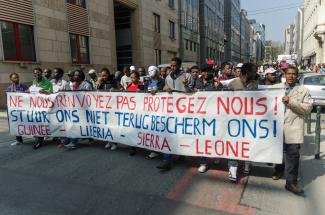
x,y
15,86
156,84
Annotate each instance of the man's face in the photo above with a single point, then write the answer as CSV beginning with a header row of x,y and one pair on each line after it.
x,y
142,72
195,73
77,77
271,77
93,75
15,79
207,75
174,66
227,70
104,76
37,75
291,76
237,72
47,73
56,74
127,72
163,72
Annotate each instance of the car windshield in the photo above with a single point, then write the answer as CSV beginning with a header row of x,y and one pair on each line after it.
x,y
315,80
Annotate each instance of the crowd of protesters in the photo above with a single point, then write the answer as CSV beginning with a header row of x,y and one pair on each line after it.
x,y
175,78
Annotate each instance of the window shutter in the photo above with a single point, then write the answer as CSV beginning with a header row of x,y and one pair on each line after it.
x,y
19,11
78,22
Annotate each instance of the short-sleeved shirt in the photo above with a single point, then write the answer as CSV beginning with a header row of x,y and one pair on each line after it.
x,y
18,88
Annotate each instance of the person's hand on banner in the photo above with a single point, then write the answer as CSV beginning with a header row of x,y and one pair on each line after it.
x,y
168,89
153,91
285,100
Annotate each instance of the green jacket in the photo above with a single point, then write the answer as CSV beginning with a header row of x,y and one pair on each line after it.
x,y
44,84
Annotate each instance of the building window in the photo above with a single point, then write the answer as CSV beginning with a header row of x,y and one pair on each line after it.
x,y
79,49
172,30
194,47
191,46
156,19
18,41
171,4
81,3
157,56
186,44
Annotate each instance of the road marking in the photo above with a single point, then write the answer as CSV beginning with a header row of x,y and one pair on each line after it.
x,y
200,192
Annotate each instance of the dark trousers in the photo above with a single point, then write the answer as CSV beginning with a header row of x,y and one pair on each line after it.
x,y
19,139
291,163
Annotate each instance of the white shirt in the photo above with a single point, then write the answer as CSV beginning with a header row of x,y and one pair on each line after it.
x,y
124,81
60,85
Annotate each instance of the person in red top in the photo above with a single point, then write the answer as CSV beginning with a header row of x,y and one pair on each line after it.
x,y
134,86
225,74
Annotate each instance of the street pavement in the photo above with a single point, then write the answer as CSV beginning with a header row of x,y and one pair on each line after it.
x,y
92,180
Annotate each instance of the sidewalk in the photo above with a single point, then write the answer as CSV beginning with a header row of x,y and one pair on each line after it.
x,y
313,171
3,114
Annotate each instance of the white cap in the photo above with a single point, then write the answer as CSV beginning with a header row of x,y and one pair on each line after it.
x,y
153,71
132,68
91,71
270,70
240,65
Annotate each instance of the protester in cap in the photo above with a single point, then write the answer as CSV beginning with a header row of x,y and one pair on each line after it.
x,y
126,78
270,77
15,86
283,66
246,81
133,69
79,84
93,77
156,85
298,104
59,84
237,69
205,83
177,80
107,82
47,73
44,86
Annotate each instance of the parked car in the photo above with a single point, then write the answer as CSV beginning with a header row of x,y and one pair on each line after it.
x,y
315,82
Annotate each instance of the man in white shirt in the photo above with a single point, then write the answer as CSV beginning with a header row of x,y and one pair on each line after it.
x,y
59,84
126,78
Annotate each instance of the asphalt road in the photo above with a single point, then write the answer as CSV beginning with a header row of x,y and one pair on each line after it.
x,y
92,180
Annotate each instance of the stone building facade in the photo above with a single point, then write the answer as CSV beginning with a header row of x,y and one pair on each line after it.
x,y
232,30
212,35
314,32
84,34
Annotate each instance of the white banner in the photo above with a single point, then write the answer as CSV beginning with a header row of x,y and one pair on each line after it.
x,y
242,125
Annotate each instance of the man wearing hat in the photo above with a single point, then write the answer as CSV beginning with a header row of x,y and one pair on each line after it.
x,y
270,77
93,77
